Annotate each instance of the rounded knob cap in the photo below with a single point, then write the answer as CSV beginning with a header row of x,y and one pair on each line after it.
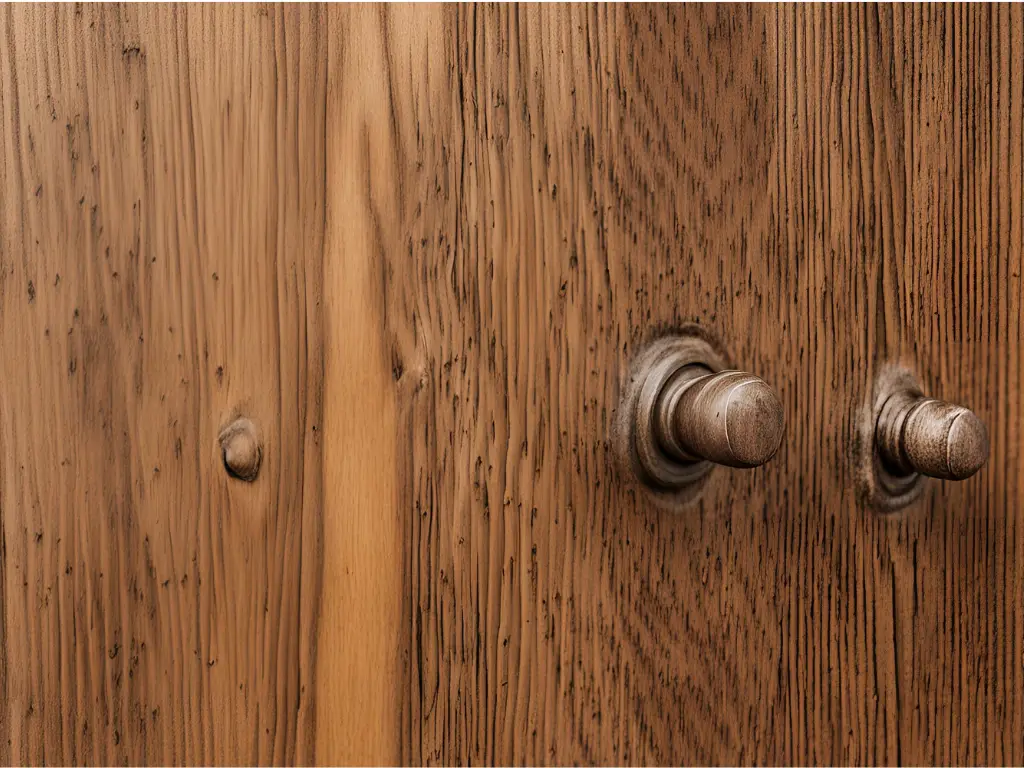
x,y
930,437
731,418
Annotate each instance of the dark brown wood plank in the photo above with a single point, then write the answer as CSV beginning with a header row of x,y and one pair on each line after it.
x,y
609,173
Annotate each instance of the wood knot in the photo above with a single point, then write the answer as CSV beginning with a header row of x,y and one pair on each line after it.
x,y
240,445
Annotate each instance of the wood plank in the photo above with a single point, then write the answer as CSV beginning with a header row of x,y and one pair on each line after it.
x,y
611,181
825,190
904,151
362,633
162,236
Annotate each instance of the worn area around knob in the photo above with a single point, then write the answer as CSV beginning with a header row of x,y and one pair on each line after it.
x,y
670,485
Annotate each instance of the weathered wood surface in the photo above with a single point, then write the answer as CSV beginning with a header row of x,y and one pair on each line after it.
x,y
418,247
162,241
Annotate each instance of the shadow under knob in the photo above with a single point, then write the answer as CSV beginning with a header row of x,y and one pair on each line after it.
x,y
731,418
917,434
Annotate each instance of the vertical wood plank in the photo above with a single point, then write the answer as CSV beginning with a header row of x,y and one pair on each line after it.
x,y
813,185
391,95
360,630
904,163
162,236
611,182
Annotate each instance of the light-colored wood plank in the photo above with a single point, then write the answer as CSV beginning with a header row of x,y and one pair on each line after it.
x,y
363,634
162,228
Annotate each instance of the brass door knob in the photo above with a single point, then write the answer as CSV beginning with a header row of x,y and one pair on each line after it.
x,y
683,411
918,434
906,436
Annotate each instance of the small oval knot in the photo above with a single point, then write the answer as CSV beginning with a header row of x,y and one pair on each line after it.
x,y
240,445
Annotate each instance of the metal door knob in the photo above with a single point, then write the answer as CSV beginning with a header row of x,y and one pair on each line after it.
x,y
904,436
681,413
731,418
918,434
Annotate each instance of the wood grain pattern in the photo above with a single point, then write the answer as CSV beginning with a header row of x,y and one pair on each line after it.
x,y
419,246
822,188
162,244
360,673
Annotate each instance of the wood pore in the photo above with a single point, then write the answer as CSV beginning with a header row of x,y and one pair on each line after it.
x,y
418,247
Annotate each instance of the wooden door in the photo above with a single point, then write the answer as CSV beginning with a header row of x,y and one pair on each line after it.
x,y
418,247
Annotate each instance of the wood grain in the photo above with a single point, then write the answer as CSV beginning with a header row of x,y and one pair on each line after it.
x,y
360,673
823,188
419,246
162,245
